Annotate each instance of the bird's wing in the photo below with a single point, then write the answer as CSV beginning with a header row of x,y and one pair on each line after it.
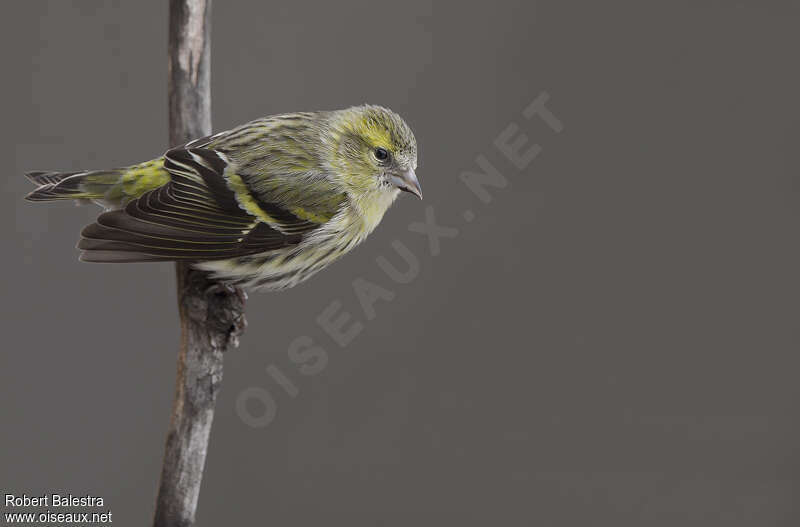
x,y
196,216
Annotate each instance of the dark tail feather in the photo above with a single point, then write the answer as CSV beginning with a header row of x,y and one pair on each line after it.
x,y
48,186
55,185
72,185
48,178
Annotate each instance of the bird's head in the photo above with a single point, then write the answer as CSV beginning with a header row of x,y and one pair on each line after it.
x,y
373,153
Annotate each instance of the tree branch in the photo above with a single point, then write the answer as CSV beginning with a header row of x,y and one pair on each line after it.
x,y
211,314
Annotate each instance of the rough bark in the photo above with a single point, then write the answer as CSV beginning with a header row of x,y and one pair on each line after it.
x,y
211,314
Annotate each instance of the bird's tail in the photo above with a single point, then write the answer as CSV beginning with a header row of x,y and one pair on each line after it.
x,y
53,186
110,188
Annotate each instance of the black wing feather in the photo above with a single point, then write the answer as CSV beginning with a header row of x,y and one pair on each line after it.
x,y
193,217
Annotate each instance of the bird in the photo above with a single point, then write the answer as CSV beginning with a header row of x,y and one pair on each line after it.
x,y
265,205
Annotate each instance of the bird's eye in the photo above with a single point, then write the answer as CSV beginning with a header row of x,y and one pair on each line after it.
x,y
381,154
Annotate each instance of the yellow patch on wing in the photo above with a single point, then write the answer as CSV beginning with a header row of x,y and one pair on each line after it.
x,y
307,215
245,199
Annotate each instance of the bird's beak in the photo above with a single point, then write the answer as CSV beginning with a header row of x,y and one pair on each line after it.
x,y
407,180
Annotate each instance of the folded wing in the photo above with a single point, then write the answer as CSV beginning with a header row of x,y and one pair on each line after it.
x,y
195,216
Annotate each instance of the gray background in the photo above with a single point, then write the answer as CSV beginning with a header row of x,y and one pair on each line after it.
x,y
612,341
